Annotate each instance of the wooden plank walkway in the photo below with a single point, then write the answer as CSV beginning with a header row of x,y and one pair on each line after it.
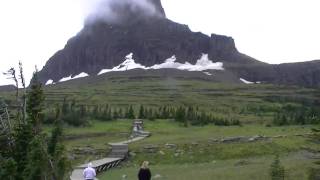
x,y
119,152
77,174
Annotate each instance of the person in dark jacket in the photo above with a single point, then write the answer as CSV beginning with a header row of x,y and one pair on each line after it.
x,y
144,172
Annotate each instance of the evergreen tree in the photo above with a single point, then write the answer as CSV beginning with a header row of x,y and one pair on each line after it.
x,y
190,114
131,113
35,103
108,116
277,170
141,112
37,166
151,115
115,114
180,114
58,161
23,136
29,157
164,112
83,111
95,112
120,113
65,107
73,106
8,168
56,134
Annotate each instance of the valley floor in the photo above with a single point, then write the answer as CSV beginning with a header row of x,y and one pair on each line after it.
x,y
176,152
296,167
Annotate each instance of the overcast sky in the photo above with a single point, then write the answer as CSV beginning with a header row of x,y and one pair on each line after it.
x,y
273,31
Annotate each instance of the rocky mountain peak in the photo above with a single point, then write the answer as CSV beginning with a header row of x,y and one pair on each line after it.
x,y
140,27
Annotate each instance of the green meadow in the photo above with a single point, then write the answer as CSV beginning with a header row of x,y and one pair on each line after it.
x,y
195,152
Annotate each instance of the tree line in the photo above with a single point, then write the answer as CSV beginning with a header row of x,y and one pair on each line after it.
x,y
80,115
290,114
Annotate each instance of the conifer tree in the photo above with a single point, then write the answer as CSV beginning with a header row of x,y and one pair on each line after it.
x,y
8,168
56,134
115,115
277,171
65,107
180,114
37,160
32,156
141,112
131,113
120,113
58,162
35,103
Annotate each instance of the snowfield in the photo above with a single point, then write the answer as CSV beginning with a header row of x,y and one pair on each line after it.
x,y
207,73
66,79
201,65
249,82
81,75
50,81
245,81
128,64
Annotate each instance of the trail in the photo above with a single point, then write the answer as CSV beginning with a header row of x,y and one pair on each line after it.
x,y
119,152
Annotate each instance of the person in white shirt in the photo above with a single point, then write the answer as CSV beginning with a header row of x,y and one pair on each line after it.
x,y
89,173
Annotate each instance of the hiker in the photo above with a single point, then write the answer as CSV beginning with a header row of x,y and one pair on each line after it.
x,y
144,172
89,173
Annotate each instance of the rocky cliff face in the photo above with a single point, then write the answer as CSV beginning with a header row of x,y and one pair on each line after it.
x,y
152,38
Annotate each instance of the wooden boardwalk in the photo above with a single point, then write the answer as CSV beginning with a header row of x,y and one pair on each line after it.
x,y
119,152
99,165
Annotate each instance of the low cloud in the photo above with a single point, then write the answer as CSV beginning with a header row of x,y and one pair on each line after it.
x,y
114,11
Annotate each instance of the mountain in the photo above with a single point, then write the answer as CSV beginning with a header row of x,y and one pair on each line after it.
x,y
7,88
144,30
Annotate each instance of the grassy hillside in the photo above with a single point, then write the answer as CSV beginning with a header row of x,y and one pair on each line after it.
x,y
198,152
248,103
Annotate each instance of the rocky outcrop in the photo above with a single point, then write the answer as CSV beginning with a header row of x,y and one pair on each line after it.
x,y
305,74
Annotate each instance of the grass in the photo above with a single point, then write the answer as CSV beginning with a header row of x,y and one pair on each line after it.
x,y
194,155
164,132
175,132
89,143
243,101
296,168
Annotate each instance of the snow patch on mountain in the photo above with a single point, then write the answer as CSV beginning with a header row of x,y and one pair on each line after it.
x,y
81,75
66,79
245,81
170,63
128,64
204,63
207,73
50,81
